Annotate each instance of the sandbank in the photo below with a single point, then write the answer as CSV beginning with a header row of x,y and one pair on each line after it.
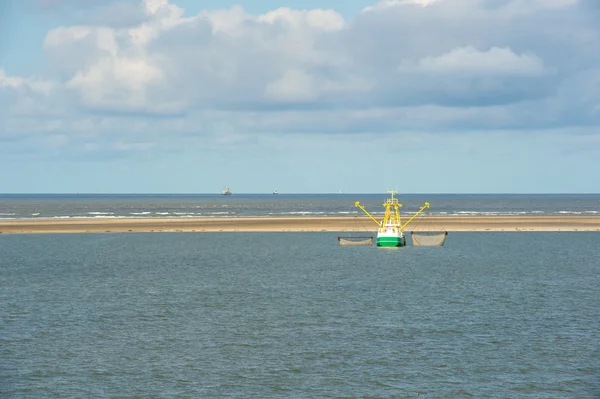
x,y
299,224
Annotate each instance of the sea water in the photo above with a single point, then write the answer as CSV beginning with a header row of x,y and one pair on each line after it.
x,y
35,206
295,315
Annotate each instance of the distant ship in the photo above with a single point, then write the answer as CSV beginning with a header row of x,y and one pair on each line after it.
x,y
226,191
275,191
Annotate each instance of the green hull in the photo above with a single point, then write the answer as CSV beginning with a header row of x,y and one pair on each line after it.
x,y
391,242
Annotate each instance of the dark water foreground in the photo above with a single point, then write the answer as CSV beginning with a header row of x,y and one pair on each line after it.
x,y
261,315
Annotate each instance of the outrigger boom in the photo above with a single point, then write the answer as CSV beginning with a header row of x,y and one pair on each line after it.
x,y
391,230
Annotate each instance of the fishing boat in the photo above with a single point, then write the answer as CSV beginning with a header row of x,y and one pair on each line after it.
x,y
226,191
275,191
390,231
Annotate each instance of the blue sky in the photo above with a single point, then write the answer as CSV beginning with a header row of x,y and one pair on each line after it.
x,y
183,96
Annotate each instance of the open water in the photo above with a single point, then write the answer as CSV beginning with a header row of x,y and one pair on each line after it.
x,y
294,315
19,206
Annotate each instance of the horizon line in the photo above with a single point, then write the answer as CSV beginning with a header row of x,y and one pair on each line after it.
x,y
299,193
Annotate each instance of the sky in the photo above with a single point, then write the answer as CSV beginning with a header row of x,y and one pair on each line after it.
x,y
303,96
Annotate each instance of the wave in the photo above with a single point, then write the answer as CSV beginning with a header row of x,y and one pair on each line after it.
x,y
109,217
487,213
302,212
578,212
295,213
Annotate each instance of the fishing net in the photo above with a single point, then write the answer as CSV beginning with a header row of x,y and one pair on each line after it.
x,y
356,240
428,238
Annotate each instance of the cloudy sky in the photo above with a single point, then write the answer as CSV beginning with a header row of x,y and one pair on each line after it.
x,y
306,96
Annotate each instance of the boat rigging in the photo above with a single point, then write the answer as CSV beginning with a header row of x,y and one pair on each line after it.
x,y
390,232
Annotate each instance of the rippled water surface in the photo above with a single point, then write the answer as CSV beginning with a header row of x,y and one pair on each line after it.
x,y
267,315
61,206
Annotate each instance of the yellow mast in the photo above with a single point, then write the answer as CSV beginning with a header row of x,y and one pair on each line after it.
x,y
415,215
357,203
391,217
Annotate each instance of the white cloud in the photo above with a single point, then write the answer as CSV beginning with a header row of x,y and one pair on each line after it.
x,y
229,21
419,66
385,4
294,85
162,16
114,82
495,61
525,6
319,19
34,84
103,38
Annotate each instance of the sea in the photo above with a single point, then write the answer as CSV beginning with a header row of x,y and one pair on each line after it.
x,y
296,315
20,206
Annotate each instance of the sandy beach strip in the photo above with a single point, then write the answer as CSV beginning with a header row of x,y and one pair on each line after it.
x,y
299,224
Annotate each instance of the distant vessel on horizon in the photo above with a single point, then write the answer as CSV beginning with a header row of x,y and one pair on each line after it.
x,y
275,191
226,191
